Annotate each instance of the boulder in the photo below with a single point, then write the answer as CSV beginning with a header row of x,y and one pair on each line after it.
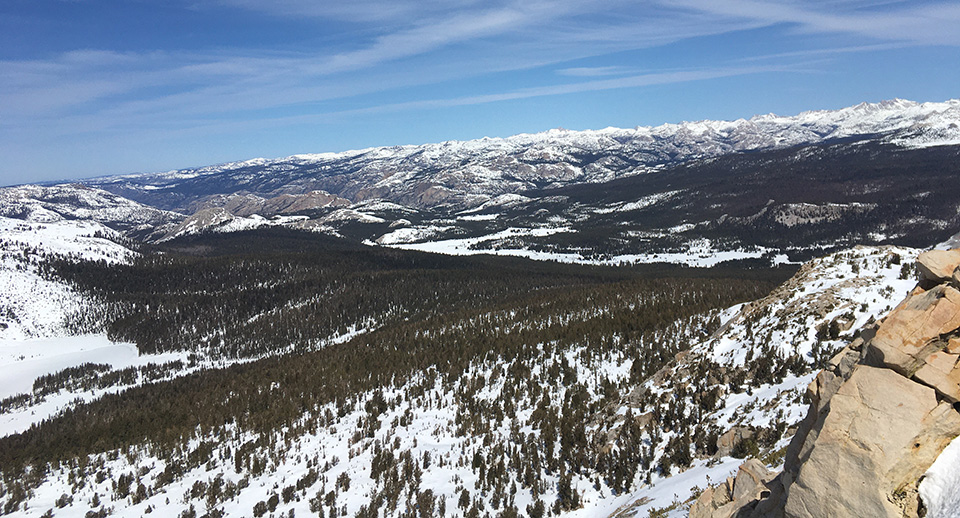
x,y
915,330
644,421
879,434
938,265
710,501
731,438
751,479
737,496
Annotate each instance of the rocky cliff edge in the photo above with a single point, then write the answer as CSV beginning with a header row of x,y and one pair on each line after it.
x,y
881,413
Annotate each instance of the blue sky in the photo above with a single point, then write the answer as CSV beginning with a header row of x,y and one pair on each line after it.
x,y
91,87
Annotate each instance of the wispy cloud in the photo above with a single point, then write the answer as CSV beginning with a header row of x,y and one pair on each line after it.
x,y
634,81
424,38
158,85
825,52
355,10
594,71
920,22
414,49
477,38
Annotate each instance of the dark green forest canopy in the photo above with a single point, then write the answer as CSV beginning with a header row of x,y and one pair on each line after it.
x,y
263,292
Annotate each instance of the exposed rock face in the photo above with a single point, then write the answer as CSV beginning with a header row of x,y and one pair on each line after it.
x,y
915,339
732,437
874,440
880,414
916,329
938,265
250,204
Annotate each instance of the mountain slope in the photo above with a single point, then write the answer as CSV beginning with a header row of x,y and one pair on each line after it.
x,y
533,411
68,202
33,303
799,201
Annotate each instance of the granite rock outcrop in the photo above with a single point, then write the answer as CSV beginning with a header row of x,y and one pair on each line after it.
x,y
881,413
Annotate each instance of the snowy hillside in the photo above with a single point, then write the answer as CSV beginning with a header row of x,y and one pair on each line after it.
x,y
829,298
74,202
420,442
40,314
33,305
811,316
753,364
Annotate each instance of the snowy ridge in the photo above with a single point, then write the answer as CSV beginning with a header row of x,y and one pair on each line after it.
x,y
49,204
853,288
466,174
812,316
846,290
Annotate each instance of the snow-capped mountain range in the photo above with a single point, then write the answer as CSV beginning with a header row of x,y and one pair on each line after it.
x,y
829,179
465,174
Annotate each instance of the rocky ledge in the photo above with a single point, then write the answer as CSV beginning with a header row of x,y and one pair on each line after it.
x,y
880,415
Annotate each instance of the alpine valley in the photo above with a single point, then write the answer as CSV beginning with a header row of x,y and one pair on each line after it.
x,y
699,319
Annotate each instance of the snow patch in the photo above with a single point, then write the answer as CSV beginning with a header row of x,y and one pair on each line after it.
x,y
940,487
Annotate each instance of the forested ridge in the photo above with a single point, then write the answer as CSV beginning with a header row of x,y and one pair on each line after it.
x,y
297,291
440,329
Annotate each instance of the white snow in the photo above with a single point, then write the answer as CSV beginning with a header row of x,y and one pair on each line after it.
x,y
411,234
479,217
465,246
22,361
32,305
641,203
940,487
674,491
698,252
